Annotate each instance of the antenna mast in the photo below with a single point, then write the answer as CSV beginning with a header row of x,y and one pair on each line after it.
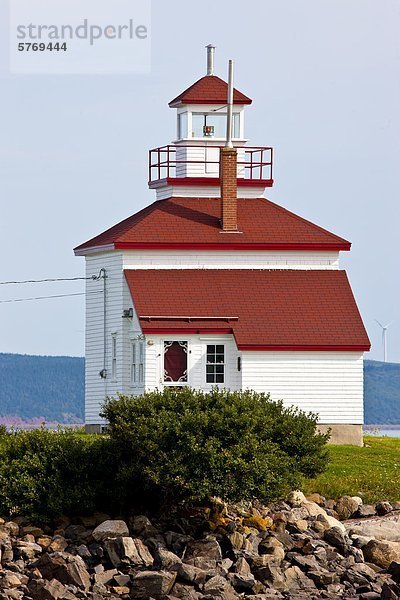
x,y
229,115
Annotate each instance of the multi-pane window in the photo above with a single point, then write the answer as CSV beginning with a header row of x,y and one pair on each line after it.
x,y
137,363
141,362
114,356
215,367
133,363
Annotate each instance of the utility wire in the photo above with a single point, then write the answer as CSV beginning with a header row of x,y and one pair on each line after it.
x,y
47,297
47,280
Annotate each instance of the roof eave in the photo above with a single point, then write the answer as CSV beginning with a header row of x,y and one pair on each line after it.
x,y
178,103
345,246
310,348
83,250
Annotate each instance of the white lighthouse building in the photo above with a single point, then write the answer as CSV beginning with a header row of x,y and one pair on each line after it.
x,y
214,285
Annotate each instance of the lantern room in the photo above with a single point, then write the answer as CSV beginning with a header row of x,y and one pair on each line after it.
x,y
192,161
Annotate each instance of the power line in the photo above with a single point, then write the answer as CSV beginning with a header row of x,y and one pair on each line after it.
x,y
48,297
51,279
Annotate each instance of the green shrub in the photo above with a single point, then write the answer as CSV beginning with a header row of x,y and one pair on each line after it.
x,y
47,473
188,445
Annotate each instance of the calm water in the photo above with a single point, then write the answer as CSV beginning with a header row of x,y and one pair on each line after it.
x,y
380,432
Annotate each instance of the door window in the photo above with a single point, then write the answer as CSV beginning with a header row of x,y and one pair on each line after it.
x,y
175,362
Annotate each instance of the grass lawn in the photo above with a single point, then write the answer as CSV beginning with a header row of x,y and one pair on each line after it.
x,y
373,472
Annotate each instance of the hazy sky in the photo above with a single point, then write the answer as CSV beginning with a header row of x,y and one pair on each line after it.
x,y
324,77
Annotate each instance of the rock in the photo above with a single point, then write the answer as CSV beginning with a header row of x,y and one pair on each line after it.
x,y
306,563
11,528
300,525
84,551
142,526
58,544
394,570
381,529
48,590
65,567
128,550
121,590
333,522
296,498
218,587
242,567
243,583
259,523
152,584
381,553
44,541
203,554
32,530
164,559
184,592
346,506
317,498
359,540
390,591
295,579
192,574
383,508
357,499
27,550
297,513
110,529
10,580
273,547
336,538
366,510
105,577
323,578
75,533
122,580
176,542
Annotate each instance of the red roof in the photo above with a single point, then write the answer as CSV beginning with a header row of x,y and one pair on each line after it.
x,y
194,223
210,89
264,309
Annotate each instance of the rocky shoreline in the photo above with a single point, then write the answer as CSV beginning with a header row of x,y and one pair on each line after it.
x,y
304,548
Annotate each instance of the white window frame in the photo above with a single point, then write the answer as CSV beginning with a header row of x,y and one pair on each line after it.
x,y
221,383
133,364
137,363
114,357
141,363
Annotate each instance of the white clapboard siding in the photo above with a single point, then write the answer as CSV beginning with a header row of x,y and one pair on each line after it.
x,y
117,299
328,383
164,192
197,345
202,161
185,259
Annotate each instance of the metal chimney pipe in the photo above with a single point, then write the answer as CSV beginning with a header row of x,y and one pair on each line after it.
x,y
229,115
210,59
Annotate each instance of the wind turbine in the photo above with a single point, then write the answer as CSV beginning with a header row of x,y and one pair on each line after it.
x,y
384,338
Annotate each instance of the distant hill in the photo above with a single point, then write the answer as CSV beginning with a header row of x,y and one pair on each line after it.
x,y
49,387
381,392
52,388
